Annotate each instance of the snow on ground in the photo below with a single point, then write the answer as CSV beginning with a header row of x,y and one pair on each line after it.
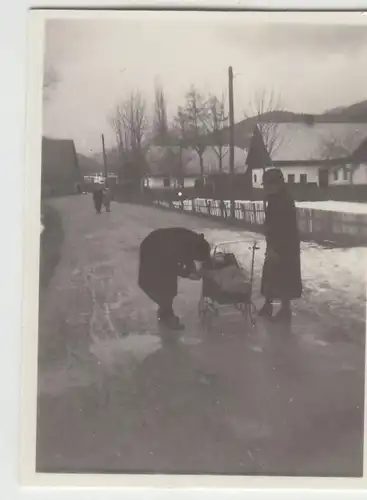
x,y
333,278
335,206
332,206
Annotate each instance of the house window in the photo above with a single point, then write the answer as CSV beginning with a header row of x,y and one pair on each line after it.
x,y
303,178
345,174
291,178
255,178
166,182
336,175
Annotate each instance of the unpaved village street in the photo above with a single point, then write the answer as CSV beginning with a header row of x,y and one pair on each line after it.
x,y
116,394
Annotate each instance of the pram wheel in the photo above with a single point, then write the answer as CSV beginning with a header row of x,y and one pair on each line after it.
x,y
201,308
248,311
206,308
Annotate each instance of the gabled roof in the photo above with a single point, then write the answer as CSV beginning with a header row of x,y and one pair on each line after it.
x,y
360,153
321,141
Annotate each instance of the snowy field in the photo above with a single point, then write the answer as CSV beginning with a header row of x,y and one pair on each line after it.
x,y
333,278
332,206
335,206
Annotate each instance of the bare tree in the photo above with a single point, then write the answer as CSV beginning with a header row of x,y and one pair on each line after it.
x,y
264,104
115,121
129,122
217,120
160,124
196,117
338,147
134,118
180,132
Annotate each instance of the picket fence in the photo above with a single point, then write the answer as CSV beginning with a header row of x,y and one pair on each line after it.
x,y
318,225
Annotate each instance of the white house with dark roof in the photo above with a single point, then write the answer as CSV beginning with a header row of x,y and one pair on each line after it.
x,y
312,154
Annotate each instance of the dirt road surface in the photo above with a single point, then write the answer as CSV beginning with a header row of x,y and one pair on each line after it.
x,y
116,394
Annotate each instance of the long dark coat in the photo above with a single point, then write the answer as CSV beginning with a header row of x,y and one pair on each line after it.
x,y
282,280
166,254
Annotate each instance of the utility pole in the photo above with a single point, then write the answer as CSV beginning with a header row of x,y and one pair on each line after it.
x,y
121,146
231,139
105,162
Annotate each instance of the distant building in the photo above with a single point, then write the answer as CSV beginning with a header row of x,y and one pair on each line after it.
x,y
313,153
307,152
161,181
354,172
60,169
211,161
99,178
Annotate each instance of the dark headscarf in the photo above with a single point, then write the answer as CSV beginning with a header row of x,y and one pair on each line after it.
x,y
273,176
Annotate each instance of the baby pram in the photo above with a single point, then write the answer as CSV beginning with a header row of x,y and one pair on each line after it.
x,y
226,282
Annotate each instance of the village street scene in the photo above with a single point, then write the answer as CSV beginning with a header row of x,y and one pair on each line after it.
x,y
233,391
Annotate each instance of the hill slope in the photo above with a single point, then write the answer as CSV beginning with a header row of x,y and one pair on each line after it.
x,y
89,165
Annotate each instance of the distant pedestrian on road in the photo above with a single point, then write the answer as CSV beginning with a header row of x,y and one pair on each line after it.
x,y
97,199
281,279
107,199
166,254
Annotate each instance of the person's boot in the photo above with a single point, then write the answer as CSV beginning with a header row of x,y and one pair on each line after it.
x,y
284,315
168,319
174,323
267,310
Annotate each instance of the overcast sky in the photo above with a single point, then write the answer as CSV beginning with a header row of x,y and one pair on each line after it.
x,y
313,68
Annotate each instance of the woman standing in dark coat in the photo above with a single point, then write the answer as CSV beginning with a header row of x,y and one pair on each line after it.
x,y
166,254
281,279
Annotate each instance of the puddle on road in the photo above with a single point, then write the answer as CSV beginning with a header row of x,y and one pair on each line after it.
x,y
55,382
248,430
126,353
132,349
257,348
312,339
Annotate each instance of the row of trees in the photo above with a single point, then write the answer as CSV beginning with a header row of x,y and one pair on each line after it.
x,y
198,124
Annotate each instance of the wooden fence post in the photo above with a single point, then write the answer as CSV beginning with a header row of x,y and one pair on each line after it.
x,y
243,210
223,213
208,206
254,212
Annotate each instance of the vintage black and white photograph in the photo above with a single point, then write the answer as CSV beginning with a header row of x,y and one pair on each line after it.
x,y
203,239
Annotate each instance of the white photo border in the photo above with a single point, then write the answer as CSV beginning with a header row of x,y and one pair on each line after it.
x,y
35,44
